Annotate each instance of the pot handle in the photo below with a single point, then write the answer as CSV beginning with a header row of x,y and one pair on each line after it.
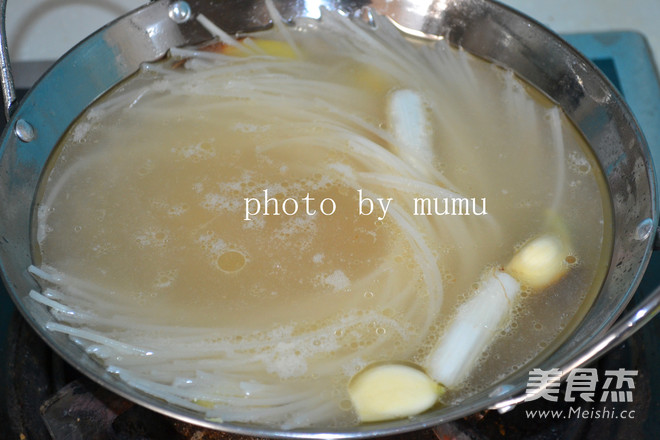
x,y
619,332
6,78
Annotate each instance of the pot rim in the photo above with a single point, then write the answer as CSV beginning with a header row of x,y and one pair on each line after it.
x,y
125,41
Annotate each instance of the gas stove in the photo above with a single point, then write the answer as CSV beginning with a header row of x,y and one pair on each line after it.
x,y
42,397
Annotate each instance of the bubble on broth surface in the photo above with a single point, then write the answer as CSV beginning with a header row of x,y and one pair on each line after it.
x,y
277,313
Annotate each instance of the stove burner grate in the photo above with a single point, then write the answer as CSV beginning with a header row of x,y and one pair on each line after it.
x,y
47,399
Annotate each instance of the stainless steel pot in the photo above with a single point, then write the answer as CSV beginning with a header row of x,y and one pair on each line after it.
x,y
482,27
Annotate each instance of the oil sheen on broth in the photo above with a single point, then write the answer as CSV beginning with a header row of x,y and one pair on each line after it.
x,y
142,237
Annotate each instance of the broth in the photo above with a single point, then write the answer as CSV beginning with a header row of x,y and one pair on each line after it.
x,y
155,259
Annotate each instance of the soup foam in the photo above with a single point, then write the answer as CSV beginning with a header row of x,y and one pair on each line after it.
x,y
143,242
